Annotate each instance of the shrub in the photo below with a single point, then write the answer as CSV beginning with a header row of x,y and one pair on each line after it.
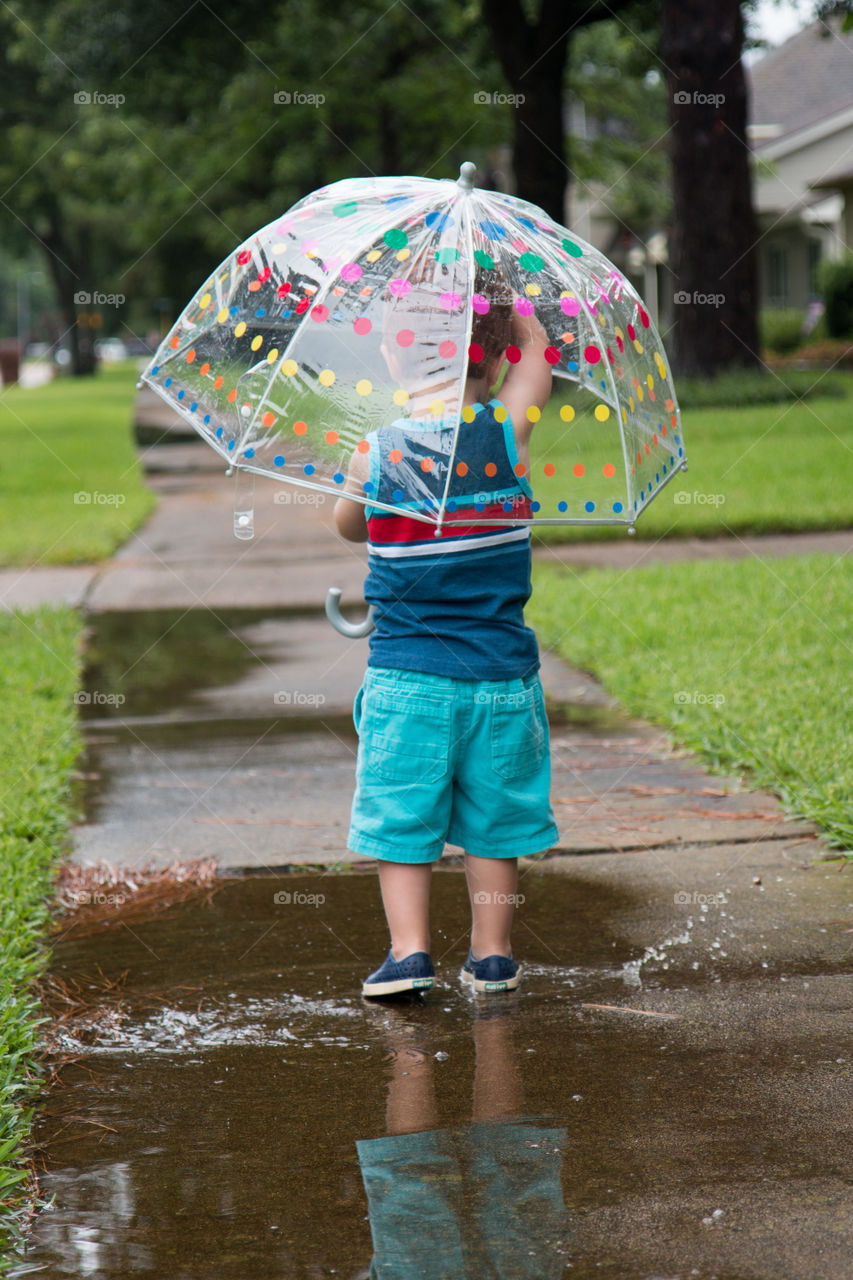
x,y
835,281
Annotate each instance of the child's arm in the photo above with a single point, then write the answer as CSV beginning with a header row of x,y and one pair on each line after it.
x,y
350,516
528,382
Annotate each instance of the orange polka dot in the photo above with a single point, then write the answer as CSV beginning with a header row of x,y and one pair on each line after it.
x,y
254,286
190,356
462,468
608,470
395,456
299,428
674,422
426,464
639,459
663,430
648,450
670,405
363,446
232,395
337,291
655,438
173,344
218,383
579,469
205,369
268,419
651,394
519,468
549,468
331,437
490,469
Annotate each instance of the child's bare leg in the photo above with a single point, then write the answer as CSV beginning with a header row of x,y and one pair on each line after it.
x,y
492,884
405,897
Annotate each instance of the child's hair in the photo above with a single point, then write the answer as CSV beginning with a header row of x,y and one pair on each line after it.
x,y
491,330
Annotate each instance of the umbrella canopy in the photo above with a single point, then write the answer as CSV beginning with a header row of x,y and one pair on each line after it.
x,y
355,310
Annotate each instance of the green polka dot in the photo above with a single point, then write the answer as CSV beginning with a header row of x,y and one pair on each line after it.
x,y
395,238
574,249
531,262
344,210
483,259
446,255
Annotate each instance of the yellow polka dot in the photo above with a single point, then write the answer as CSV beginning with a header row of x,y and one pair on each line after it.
x,y
650,382
364,386
468,413
640,394
325,377
222,316
567,413
402,254
532,290
500,413
310,253
638,346
272,356
533,413
240,329
257,341
624,414
204,301
602,412
373,255
437,408
401,396
279,247
289,368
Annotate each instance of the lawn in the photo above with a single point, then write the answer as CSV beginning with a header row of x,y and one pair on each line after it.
x,y
747,662
754,469
39,673
70,485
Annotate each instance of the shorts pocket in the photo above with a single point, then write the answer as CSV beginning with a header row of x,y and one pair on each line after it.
x,y
519,733
405,737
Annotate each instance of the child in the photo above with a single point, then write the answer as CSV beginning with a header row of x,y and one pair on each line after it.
x,y
453,738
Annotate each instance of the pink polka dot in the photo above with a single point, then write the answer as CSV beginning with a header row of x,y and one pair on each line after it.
x,y
351,272
362,325
399,288
479,303
405,338
524,306
592,355
309,246
319,313
450,301
447,350
284,227
519,245
571,306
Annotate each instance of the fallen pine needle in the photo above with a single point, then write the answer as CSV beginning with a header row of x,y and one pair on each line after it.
x,y
624,1008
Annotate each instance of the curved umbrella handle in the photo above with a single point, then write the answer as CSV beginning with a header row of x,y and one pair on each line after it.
x,y
354,630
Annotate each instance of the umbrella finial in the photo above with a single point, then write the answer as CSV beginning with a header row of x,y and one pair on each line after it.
x,y
466,175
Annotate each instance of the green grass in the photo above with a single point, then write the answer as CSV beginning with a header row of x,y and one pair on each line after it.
x,y
71,487
756,469
747,662
39,673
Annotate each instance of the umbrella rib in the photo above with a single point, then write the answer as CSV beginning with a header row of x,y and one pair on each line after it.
x,y
464,207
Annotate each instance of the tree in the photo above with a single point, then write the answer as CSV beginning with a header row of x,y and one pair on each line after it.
x,y
712,244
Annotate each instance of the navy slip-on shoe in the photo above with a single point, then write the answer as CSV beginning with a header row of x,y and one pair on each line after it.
x,y
413,973
494,973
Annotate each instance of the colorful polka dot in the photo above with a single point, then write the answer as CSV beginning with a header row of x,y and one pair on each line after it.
x,y
364,386
326,378
361,326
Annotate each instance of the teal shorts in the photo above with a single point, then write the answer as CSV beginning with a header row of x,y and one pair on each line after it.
x,y
446,761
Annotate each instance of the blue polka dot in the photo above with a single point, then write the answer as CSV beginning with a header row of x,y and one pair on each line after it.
x,y
507,506
398,495
231,444
338,477
663,468
492,230
248,453
181,394
232,311
535,506
168,382
589,506
650,486
206,419
397,199
525,222
155,370
657,477
479,506
451,506
680,452
261,312
193,406
603,385
573,365
562,506
438,221
219,433
278,460
309,469
368,486
617,507
285,315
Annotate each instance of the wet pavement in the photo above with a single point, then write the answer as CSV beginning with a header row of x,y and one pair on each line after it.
x,y
667,1095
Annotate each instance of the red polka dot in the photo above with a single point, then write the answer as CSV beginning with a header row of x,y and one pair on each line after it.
x,y
608,470
268,419
405,338
319,313
592,355
243,257
579,470
462,468
490,469
395,456
552,355
513,354
549,468
264,275
644,319
302,306
632,332
620,344
447,350
299,428
475,353
362,325
283,290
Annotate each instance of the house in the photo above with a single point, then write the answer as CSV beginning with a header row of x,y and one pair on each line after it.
x,y
802,136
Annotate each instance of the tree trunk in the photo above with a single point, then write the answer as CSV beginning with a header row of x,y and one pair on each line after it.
x,y
67,271
712,245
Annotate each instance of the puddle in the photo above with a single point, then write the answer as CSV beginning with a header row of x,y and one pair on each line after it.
x,y
246,1113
